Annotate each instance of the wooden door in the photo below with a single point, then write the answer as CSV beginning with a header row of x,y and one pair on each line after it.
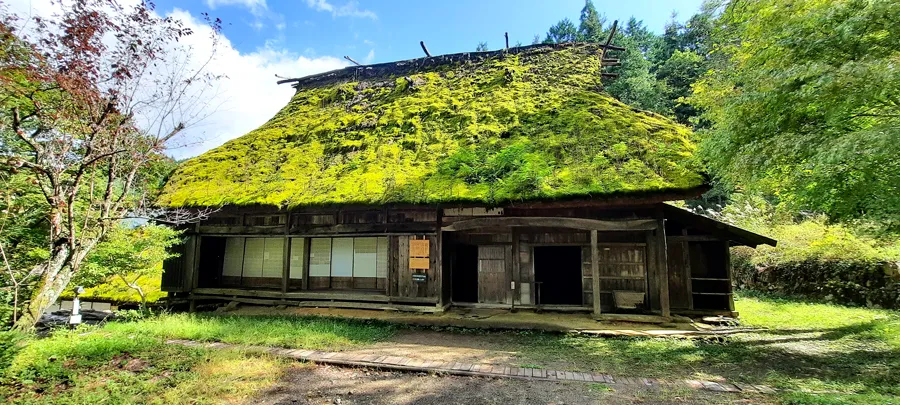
x,y
493,283
679,276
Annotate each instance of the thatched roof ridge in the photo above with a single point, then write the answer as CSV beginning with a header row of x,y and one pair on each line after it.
x,y
525,125
411,66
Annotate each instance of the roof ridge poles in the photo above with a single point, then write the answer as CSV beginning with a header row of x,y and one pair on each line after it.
x,y
351,60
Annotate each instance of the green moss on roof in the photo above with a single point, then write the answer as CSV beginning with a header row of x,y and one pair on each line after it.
x,y
531,125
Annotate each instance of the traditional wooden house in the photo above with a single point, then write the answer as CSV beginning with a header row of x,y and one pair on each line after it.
x,y
502,179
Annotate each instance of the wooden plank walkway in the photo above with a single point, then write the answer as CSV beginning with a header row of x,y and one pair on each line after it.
x,y
475,369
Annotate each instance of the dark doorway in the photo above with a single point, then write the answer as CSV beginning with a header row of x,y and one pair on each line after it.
x,y
212,256
558,270
465,274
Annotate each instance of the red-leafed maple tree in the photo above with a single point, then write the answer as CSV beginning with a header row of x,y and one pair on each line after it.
x,y
89,101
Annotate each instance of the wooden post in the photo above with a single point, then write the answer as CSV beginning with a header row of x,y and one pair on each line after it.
x,y
428,54
307,243
516,268
729,275
686,257
286,262
662,266
595,272
506,35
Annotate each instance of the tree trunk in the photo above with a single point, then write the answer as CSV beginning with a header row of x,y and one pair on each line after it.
x,y
134,285
56,274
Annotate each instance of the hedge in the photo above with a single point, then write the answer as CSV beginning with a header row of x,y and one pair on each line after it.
x,y
849,282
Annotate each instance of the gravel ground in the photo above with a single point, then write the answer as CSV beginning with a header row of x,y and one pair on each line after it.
x,y
310,384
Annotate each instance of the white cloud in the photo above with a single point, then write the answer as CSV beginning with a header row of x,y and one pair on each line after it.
x,y
255,6
349,9
245,98
369,58
248,96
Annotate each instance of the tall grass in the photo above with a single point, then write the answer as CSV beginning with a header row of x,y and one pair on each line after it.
x,y
308,332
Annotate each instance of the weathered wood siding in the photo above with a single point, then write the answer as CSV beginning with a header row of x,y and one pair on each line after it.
x,y
403,284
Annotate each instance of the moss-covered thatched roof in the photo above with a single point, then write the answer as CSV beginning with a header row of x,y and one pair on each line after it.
x,y
492,127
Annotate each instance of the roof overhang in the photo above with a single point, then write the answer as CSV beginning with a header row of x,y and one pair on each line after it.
x,y
718,228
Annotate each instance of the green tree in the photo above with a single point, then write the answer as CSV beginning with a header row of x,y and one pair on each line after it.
x,y
590,27
90,99
563,31
637,84
129,253
803,105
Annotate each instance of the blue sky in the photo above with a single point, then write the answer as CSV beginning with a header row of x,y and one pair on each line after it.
x,y
383,31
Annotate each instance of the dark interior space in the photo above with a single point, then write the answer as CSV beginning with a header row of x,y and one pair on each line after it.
x,y
558,270
212,257
465,274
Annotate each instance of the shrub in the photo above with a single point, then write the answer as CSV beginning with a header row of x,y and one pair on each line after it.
x,y
814,258
10,344
823,261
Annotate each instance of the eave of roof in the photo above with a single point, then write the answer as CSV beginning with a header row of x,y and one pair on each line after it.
x,y
719,228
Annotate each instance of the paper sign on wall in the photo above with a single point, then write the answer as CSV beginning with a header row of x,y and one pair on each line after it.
x,y
418,263
418,248
418,254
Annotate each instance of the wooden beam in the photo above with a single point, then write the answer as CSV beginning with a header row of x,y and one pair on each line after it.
x,y
428,54
595,272
554,222
693,238
612,33
351,60
506,35
324,295
663,264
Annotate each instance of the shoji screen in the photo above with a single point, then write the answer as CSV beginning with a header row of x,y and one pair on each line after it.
x,y
364,257
320,257
273,258
298,252
342,257
234,257
254,253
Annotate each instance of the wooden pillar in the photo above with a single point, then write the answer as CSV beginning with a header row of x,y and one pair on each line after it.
x,y
662,266
516,269
286,262
595,273
729,275
307,243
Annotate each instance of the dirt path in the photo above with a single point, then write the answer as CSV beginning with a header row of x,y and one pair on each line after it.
x,y
442,346
311,384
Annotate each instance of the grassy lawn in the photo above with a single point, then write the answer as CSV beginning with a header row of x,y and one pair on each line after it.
x,y
821,354
817,353
94,366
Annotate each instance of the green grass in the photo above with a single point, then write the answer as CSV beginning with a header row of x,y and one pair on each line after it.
x,y
815,353
286,331
101,366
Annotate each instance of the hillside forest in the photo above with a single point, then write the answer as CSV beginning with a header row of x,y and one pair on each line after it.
x,y
794,106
